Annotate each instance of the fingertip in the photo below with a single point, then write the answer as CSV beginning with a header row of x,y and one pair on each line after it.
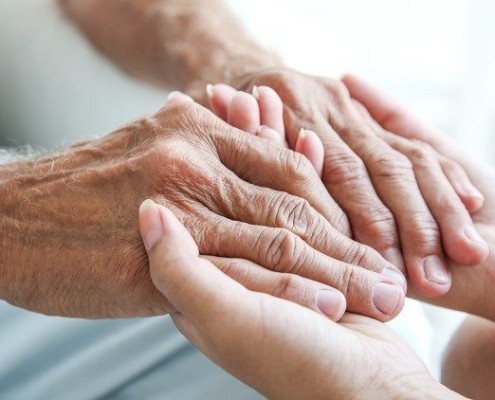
x,y
177,97
219,96
271,108
430,276
388,299
150,224
396,276
472,202
331,303
244,113
309,144
477,249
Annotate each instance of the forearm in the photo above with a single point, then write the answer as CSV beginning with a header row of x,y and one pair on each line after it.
x,y
182,44
8,225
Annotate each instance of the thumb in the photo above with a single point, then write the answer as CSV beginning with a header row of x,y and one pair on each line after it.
x,y
194,286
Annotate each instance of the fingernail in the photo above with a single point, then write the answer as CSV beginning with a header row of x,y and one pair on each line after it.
x,y
209,90
386,297
396,276
255,92
436,270
302,134
152,226
472,234
394,257
331,303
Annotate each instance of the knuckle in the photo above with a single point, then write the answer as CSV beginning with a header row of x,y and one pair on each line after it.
x,y
451,166
393,165
284,252
379,225
351,282
449,203
287,286
296,214
423,230
356,253
298,167
343,168
421,153
337,90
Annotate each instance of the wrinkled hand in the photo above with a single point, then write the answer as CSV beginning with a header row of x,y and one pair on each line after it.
x,y
71,246
375,184
472,287
281,349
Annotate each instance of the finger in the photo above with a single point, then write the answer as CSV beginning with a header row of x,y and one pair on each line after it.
x,y
346,179
177,97
461,241
192,283
395,118
271,208
270,134
279,250
271,108
309,144
470,196
320,298
189,282
219,97
243,113
393,177
266,164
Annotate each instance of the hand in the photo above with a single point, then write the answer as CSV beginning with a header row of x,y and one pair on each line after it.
x,y
281,349
374,184
472,287
70,243
266,108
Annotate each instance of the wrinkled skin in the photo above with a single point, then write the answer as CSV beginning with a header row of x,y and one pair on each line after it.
x,y
377,185
72,246
281,349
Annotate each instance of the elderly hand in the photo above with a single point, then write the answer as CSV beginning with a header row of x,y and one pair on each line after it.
x,y
70,243
375,184
428,176
281,349
472,287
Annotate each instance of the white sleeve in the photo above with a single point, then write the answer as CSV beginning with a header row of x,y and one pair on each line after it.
x,y
5,156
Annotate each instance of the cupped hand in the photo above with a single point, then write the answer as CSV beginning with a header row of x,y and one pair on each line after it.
x,y
372,182
283,350
472,287
70,243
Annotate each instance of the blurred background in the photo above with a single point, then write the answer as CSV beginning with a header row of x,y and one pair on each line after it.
x,y
434,55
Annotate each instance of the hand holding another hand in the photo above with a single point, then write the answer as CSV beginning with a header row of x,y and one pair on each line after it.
x,y
283,350
70,244
472,286
394,196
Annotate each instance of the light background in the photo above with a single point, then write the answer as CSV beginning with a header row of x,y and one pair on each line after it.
x,y
436,56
